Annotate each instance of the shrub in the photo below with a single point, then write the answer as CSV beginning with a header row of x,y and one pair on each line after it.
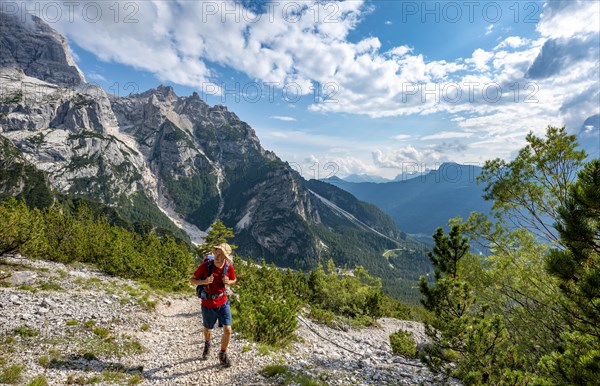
x,y
403,344
267,306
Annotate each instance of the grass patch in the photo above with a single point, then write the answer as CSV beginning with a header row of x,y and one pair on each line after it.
x,y
40,380
145,327
12,374
101,332
44,361
27,287
146,303
25,332
50,286
72,322
290,377
246,348
265,349
273,370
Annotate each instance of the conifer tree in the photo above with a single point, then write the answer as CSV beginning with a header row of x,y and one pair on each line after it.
x,y
218,234
578,270
467,341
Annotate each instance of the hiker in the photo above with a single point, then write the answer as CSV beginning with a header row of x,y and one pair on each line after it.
x,y
214,274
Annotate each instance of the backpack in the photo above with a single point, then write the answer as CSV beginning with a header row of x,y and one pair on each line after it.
x,y
200,289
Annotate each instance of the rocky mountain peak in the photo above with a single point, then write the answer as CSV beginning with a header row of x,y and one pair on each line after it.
x,y
30,45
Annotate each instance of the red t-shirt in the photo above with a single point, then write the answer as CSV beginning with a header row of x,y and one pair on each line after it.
x,y
217,286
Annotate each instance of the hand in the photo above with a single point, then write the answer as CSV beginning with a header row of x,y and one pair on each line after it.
x,y
210,279
226,280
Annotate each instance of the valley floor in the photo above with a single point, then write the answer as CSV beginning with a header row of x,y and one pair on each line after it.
x,y
74,325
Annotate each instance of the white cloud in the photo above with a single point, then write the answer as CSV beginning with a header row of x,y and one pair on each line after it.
x,y
388,22
283,118
480,59
489,29
400,50
447,135
512,42
569,18
92,75
402,137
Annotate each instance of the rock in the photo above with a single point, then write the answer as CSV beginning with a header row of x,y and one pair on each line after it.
x,y
47,303
19,278
38,50
107,301
26,316
42,311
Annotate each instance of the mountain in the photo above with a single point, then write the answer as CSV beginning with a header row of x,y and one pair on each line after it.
x,y
421,204
174,161
364,178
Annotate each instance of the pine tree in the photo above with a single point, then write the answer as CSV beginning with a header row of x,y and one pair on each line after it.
x,y
467,341
218,234
578,269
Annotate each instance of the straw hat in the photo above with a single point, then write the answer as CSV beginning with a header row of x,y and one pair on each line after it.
x,y
226,249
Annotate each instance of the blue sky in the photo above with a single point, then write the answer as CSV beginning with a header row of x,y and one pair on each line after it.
x,y
356,86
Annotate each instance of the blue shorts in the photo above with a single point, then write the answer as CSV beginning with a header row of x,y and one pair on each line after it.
x,y
211,315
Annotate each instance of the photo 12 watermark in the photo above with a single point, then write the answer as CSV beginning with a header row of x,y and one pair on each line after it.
x,y
205,12
470,11
53,12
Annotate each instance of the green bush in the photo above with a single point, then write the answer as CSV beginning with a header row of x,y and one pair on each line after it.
x,y
358,298
267,306
403,344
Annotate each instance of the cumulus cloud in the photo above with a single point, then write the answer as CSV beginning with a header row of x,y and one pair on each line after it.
x,y
512,42
569,18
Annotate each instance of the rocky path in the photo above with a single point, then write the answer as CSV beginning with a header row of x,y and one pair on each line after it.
x,y
74,325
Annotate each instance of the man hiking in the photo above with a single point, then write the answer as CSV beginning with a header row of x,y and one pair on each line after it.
x,y
214,274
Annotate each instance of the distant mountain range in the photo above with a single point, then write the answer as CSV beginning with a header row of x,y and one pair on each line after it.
x,y
421,204
379,180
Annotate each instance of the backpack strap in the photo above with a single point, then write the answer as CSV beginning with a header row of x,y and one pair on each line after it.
x,y
209,265
225,268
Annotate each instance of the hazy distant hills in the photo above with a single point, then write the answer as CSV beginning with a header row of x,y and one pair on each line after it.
x,y
589,136
420,204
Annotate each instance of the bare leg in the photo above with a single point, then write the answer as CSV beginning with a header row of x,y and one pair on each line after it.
x,y
226,337
207,334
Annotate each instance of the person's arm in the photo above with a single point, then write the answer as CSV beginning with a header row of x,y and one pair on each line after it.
x,y
230,274
206,281
201,271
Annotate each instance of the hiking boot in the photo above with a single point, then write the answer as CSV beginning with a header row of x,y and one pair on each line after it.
x,y
224,359
206,351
